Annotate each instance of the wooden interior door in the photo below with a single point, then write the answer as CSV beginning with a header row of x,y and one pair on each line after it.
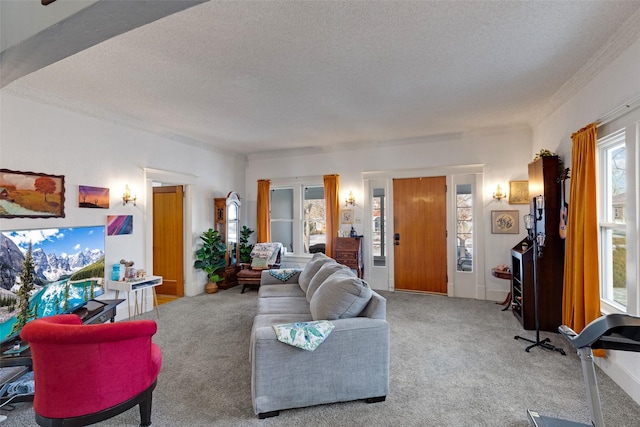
x,y
420,234
168,245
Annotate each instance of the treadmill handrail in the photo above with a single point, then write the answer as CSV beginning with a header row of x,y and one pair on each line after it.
x,y
597,334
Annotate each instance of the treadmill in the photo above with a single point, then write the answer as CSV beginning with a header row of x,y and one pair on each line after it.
x,y
611,332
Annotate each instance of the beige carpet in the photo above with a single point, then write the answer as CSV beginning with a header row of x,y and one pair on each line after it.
x,y
454,362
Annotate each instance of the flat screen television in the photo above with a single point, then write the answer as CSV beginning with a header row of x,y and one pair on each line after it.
x,y
64,258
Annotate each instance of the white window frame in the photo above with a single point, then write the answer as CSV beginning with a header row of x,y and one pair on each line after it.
x,y
631,125
606,223
298,185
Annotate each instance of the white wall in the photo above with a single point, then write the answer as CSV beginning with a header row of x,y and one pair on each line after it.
x,y
503,155
40,138
609,89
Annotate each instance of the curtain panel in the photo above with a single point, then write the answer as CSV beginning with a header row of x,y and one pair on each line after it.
x,y
332,205
581,300
263,214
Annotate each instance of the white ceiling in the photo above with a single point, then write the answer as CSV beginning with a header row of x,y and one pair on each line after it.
x,y
249,76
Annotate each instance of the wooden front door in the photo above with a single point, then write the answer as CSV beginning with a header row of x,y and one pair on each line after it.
x,y
168,252
420,234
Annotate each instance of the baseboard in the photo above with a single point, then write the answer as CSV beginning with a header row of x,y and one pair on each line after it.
x,y
497,296
620,375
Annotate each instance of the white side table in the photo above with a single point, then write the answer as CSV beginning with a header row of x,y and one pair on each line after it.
x,y
138,286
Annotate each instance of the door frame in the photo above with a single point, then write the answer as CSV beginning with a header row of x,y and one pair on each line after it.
x,y
468,284
173,178
450,172
376,275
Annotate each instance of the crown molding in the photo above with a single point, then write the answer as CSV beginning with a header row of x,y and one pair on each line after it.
x,y
18,90
628,33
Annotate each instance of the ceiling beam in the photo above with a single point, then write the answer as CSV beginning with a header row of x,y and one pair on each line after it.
x,y
86,28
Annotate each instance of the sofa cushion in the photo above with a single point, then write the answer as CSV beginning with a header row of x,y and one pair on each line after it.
x,y
268,320
326,270
312,268
340,296
283,305
283,290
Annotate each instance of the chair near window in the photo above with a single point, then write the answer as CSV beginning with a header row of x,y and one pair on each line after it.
x,y
264,256
85,374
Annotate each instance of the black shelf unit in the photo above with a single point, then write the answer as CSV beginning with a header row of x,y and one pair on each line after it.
x,y
522,284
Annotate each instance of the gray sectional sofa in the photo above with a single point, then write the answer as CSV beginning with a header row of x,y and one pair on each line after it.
x,y
353,361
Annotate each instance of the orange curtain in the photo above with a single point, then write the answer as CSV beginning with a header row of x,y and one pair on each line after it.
x,y
581,301
263,216
332,204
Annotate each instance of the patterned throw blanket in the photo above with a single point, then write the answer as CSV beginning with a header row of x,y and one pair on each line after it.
x,y
304,335
283,274
268,251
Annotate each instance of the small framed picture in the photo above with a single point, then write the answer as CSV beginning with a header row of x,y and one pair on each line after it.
x,y
505,222
518,192
119,224
93,197
347,216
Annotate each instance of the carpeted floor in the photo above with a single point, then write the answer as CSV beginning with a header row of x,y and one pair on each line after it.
x,y
454,362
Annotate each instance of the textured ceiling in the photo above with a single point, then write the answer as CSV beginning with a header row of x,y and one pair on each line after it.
x,y
259,76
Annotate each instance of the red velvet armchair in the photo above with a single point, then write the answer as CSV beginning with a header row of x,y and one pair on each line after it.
x,y
88,373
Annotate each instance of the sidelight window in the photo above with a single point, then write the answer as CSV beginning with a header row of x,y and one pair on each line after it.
x,y
464,227
378,226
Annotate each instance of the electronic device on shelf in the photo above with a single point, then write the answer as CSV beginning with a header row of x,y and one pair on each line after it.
x,y
91,308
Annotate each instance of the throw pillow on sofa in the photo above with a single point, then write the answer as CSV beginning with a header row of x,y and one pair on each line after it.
x,y
326,270
312,267
341,296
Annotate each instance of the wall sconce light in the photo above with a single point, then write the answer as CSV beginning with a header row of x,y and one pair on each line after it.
x,y
539,205
350,200
528,224
498,194
126,197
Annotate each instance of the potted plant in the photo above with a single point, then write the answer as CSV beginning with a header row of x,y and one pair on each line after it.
x,y
210,258
245,247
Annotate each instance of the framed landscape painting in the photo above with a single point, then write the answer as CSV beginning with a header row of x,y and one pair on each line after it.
x,y
31,195
93,197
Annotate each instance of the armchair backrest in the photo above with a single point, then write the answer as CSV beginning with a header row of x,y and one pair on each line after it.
x,y
87,368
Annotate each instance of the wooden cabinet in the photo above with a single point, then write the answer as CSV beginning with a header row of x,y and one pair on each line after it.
x,y
348,251
227,220
543,180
